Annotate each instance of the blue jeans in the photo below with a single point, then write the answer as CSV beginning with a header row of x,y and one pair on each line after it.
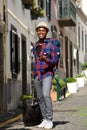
x,y
43,88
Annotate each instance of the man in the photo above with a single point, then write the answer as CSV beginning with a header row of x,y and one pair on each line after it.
x,y
46,58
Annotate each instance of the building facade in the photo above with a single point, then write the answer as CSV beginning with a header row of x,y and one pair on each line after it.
x,y
81,31
17,33
2,57
18,20
67,24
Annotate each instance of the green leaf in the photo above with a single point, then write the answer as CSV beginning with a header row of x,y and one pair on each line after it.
x,y
24,97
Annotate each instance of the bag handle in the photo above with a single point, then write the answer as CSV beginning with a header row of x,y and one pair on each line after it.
x,y
33,91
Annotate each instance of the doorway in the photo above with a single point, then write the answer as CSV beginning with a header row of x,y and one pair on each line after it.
x,y
24,65
66,56
71,59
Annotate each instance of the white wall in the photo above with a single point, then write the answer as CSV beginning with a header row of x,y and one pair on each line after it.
x,y
19,17
1,9
84,27
18,9
84,6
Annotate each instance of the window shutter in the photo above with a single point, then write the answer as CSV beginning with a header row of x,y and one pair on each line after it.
x,y
15,52
18,54
12,37
11,49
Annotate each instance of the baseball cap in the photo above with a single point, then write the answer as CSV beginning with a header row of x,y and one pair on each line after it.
x,y
42,24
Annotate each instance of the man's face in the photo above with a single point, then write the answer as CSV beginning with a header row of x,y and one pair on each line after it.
x,y
41,32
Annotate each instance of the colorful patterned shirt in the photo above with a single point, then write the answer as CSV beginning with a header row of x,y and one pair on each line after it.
x,y
43,69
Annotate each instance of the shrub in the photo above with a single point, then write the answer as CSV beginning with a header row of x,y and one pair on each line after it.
x,y
54,88
25,96
70,80
79,75
84,66
53,81
60,81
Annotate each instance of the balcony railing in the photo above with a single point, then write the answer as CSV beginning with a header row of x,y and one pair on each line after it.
x,y
67,13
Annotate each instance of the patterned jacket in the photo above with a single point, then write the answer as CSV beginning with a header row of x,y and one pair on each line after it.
x,y
45,68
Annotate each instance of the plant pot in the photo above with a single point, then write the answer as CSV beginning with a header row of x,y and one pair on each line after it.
x,y
53,95
80,81
85,72
72,87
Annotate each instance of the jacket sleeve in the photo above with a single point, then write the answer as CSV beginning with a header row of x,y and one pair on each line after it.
x,y
54,56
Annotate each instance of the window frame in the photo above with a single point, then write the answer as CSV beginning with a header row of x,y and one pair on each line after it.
x,y
14,52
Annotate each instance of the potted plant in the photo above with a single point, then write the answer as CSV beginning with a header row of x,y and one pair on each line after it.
x,y
37,12
25,97
71,84
84,68
80,80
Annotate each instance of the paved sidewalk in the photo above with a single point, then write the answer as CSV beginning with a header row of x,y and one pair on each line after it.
x,y
69,113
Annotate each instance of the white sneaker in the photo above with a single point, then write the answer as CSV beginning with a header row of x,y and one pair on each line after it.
x,y
43,123
48,125
26,127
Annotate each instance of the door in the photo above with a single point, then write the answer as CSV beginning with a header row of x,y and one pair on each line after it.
x,y
71,60
24,65
66,56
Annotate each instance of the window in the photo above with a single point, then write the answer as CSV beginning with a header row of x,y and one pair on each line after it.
x,y
61,49
60,9
54,31
48,9
15,52
79,36
82,40
86,42
41,3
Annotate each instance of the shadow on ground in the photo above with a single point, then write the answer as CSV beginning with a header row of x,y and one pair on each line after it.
x,y
60,123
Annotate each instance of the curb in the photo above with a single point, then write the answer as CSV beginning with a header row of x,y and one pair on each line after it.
x,y
10,120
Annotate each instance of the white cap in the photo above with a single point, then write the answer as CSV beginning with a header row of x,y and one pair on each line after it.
x,y
42,24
